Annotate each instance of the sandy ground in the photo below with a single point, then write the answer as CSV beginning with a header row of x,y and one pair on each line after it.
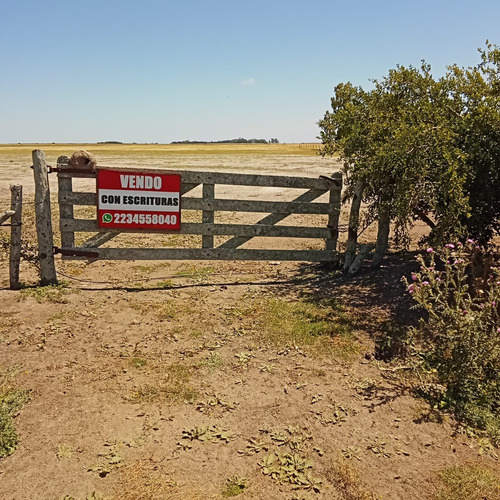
x,y
166,379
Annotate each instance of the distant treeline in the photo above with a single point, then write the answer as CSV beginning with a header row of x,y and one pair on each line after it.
x,y
241,140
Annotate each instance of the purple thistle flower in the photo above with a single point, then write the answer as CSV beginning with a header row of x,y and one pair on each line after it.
x,y
449,245
430,250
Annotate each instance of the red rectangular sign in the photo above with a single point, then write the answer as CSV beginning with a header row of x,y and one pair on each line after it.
x,y
138,200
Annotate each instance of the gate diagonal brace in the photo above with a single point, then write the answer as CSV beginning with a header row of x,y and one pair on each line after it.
x,y
273,218
76,253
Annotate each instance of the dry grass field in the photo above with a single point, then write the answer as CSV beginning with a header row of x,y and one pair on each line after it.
x,y
208,380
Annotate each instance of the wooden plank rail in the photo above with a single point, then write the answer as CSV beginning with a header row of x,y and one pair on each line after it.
x,y
206,254
219,205
205,229
208,204
192,177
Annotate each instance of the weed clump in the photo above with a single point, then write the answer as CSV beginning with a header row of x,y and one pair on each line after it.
x,y
459,333
174,388
55,294
11,401
234,486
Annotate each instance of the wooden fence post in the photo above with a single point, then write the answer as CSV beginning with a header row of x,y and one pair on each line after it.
x,y
48,274
65,185
16,204
208,215
334,215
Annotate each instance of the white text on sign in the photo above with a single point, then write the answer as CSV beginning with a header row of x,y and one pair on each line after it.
x,y
140,182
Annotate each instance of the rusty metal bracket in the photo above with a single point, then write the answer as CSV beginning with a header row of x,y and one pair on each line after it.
x,y
71,170
49,168
76,253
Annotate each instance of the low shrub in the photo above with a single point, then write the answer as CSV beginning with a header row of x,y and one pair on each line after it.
x,y
458,291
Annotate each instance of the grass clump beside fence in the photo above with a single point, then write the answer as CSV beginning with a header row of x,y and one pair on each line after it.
x,y
11,401
458,337
320,324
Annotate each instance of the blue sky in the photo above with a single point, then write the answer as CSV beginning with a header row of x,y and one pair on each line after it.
x,y
161,71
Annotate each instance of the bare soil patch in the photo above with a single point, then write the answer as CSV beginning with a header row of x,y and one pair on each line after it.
x,y
196,380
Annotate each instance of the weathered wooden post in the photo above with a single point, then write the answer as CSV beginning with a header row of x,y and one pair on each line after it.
x,y
16,205
334,215
65,185
43,214
208,215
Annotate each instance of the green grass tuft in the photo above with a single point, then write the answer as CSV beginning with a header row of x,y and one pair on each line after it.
x,y
324,325
56,294
11,401
175,388
470,481
234,486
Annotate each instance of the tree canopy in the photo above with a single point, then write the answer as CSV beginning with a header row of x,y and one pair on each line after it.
x,y
424,147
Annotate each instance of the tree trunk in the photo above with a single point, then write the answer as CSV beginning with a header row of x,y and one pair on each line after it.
x,y
358,261
384,225
352,234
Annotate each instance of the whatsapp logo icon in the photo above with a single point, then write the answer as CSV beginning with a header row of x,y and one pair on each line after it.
x,y
107,217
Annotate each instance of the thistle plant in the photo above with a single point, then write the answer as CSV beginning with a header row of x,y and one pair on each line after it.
x,y
459,332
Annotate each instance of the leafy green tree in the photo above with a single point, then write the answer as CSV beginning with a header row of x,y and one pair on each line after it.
x,y
476,103
418,147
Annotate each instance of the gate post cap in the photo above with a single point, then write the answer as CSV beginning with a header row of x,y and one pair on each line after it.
x,y
63,161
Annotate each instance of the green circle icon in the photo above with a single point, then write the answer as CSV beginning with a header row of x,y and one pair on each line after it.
x,y
107,217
